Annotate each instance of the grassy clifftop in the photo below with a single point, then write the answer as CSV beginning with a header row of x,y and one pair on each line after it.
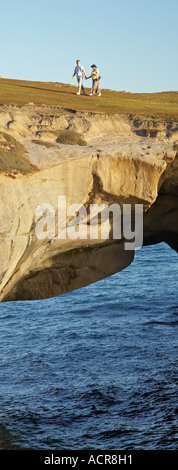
x,y
20,92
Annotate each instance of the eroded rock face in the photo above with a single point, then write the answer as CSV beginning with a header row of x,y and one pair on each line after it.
x,y
117,166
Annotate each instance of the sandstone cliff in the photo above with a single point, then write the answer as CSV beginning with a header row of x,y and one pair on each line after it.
x,y
123,162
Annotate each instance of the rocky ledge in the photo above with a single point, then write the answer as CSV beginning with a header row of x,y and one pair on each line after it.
x,y
124,162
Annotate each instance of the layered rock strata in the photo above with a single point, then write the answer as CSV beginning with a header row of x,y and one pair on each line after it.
x,y
118,165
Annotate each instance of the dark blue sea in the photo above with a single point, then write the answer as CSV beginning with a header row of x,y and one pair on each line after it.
x,y
95,368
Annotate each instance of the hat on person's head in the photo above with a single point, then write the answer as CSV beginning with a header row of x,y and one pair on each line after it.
x,y
93,65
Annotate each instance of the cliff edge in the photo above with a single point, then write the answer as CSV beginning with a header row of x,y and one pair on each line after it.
x,y
119,161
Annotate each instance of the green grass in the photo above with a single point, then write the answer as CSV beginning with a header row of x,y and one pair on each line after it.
x,y
43,143
157,105
13,156
69,137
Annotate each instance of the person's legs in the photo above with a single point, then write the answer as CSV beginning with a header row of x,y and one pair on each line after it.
x,y
83,89
93,88
79,79
80,85
97,88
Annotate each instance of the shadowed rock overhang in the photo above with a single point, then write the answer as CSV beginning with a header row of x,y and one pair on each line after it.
x,y
118,165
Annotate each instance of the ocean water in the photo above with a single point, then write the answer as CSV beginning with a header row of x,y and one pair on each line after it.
x,y
96,368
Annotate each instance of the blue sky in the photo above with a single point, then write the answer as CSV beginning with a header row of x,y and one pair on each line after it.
x,y
134,43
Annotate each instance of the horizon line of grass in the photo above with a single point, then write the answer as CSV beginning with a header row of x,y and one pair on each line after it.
x,y
24,92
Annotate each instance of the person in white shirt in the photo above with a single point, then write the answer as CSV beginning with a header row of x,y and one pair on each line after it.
x,y
79,71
